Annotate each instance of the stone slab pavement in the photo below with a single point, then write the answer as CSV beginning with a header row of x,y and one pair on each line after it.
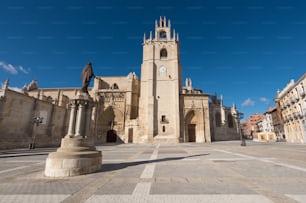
x,y
185,172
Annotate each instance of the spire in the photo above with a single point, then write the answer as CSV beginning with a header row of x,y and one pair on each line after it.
x,y
150,35
144,37
169,23
160,21
174,34
222,111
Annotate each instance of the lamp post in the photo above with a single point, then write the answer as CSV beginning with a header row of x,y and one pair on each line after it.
x,y
36,121
239,116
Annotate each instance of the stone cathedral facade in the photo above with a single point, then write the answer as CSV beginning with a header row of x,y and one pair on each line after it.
x,y
156,107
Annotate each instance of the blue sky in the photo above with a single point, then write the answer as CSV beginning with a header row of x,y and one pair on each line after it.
x,y
242,49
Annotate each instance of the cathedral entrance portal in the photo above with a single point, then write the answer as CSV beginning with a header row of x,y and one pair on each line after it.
x,y
111,136
191,132
190,127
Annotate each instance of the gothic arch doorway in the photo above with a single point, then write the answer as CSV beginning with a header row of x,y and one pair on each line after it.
x,y
191,132
190,127
111,136
112,121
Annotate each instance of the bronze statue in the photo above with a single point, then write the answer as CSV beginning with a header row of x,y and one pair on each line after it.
x,y
86,75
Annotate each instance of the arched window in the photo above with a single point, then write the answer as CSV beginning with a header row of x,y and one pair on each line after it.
x,y
230,121
163,53
115,86
162,35
218,119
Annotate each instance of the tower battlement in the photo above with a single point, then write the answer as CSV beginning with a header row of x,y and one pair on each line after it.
x,y
162,32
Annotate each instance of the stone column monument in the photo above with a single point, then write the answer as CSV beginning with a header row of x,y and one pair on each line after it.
x,y
77,154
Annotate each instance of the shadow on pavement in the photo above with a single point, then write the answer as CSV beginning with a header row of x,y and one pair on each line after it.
x,y
117,166
25,152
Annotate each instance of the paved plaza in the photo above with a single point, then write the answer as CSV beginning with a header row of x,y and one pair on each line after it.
x,y
188,172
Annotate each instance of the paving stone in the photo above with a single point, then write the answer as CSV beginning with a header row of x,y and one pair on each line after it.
x,y
188,172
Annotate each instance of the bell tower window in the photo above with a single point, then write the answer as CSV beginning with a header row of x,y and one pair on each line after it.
x,y
163,53
162,34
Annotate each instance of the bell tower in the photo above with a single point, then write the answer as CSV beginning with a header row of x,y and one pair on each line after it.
x,y
161,76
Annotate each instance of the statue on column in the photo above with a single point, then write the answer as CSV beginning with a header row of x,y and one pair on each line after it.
x,y
86,75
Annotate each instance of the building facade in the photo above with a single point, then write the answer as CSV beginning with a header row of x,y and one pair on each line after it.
x,y
156,107
292,102
250,127
26,120
278,124
266,128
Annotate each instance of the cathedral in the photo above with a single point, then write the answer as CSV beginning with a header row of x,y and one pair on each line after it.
x,y
155,108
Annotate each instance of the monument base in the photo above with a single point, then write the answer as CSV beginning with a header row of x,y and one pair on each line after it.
x,y
76,156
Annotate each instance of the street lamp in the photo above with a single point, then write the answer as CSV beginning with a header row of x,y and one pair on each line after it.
x,y
239,116
36,121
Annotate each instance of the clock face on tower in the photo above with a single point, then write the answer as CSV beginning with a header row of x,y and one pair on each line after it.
x,y
162,69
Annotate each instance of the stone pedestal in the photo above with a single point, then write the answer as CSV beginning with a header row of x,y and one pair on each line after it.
x,y
77,154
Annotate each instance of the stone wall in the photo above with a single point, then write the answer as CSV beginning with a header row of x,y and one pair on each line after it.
x,y
17,129
222,130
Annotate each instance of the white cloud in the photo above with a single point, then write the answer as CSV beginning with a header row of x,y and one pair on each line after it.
x,y
248,102
264,100
25,71
8,67
12,69
17,89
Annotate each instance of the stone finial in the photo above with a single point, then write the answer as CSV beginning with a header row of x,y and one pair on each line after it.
x,y
144,37
6,84
33,85
24,88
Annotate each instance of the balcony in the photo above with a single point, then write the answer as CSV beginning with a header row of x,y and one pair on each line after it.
x,y
292,100
300,114
283,106
295,115
302,93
